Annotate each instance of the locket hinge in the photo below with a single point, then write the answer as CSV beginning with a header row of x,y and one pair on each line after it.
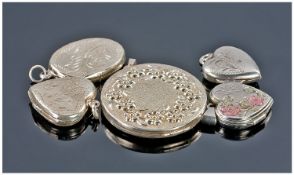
x,y
132,62
95,108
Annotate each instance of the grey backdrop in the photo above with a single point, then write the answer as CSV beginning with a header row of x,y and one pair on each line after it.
x,y
176,34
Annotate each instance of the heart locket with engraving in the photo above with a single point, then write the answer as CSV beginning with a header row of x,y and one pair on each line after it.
x,y
229,63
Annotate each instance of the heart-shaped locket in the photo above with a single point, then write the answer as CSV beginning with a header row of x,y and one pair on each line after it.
x,y
229,63
62,101
238,105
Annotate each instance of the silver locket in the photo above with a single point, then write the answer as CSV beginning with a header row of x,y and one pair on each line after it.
x,y
237,105
65,99
153,100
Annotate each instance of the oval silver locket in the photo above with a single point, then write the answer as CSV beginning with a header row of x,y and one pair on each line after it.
x,y
91,58
153,100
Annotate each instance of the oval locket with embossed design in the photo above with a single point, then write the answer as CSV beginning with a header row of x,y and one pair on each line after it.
x,y
153,100
92,58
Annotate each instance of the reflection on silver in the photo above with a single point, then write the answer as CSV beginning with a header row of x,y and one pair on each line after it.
x,y
239,106
232,134
210,85
64,133
207,125
145,145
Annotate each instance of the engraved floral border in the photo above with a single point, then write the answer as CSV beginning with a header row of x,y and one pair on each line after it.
x,y
172,114
251,103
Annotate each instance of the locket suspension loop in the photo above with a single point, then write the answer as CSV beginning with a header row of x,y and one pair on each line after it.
x,y
205,57
95,108
45,74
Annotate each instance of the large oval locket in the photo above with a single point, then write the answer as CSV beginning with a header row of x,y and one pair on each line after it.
x,y
153,100
92,58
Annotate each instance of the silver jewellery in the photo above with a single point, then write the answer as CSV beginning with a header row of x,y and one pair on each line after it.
x,y
147,101
243,134
237,105
64,133
64,100
153,100
229,63
91,58
151,145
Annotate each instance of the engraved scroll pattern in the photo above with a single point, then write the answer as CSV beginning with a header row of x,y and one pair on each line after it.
x,y
232,105
223,64
61,97
84,59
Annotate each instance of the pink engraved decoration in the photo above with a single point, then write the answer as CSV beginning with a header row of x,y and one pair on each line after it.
x,y
255,100
231,110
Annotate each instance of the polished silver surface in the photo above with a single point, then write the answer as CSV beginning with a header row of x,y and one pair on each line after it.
x,y
153,100
64,133
238,105
153,145
244,134
229,63
62,101
92,58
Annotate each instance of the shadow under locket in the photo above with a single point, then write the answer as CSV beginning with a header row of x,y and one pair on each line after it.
x,y
150,145
64,133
